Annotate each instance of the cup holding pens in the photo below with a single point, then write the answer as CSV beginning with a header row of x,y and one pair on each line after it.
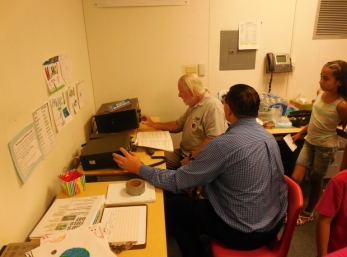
x,y
72,182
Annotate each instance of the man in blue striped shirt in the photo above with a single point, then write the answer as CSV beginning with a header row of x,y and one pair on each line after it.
x,y
243,177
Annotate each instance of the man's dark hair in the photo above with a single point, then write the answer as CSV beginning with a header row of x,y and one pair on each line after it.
x,y
243,100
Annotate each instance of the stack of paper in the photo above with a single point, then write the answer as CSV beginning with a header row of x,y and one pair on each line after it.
x,y
68,214
157,139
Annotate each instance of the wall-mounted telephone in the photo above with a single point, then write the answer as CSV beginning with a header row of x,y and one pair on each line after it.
x,y
276,63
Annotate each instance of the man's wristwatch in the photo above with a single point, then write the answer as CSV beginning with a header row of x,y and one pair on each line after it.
x,y
191,156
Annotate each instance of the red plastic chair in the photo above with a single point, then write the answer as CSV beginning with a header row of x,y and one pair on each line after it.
x,y
280,247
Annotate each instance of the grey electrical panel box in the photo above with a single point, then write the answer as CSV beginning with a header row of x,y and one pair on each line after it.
x,y
231,58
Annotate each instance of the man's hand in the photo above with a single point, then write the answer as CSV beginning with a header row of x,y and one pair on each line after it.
x,y
196,192
145,119
129,162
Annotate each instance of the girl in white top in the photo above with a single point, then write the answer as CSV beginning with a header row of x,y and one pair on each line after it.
x,y
318,152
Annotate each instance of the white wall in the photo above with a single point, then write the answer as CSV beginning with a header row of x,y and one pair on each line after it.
x,y
140,51
134,52
276,29
31,33
310,55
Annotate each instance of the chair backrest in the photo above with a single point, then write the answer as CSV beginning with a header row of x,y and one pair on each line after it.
x,y
295,203
280,247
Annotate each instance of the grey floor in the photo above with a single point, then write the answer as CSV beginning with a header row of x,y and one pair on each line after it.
x,y
303,241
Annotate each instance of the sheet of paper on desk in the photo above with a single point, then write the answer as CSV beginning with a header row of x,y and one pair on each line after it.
x,y
288,139
83,242
157,139
117,195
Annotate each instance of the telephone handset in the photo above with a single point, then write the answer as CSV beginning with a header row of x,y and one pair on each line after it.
x,y
270,62
276,63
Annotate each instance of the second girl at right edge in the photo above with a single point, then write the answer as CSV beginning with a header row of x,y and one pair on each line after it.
x,y
321,140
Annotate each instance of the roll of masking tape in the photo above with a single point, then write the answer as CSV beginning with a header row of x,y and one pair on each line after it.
x,y
135,186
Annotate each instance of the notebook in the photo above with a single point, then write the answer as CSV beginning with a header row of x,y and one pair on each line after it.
x,y
117,195
125,224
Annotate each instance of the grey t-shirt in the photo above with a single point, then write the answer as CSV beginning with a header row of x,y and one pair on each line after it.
x,y
204,120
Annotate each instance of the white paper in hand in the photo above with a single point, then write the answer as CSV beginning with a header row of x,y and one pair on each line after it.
x,y
288,139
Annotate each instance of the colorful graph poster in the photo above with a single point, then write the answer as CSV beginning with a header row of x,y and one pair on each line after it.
x,y
60,110
53,74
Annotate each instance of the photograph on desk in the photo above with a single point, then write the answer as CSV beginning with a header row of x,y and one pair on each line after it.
x,y
69,214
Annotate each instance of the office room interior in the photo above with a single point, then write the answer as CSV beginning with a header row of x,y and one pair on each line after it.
x,y
132,52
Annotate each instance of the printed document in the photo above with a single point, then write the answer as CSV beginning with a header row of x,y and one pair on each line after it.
x,y
69,214
26,151
157,139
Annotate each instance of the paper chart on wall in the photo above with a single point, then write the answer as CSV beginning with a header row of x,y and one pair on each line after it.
x,y
66,67
81,93
26,152
72,97
44,128
60,110
249,35
53,75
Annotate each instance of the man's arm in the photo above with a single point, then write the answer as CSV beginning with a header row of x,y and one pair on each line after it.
x,y
129,162
196,173
170,126
196,151
322,234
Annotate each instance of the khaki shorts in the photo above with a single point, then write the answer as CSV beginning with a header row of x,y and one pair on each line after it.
x,y
316,159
